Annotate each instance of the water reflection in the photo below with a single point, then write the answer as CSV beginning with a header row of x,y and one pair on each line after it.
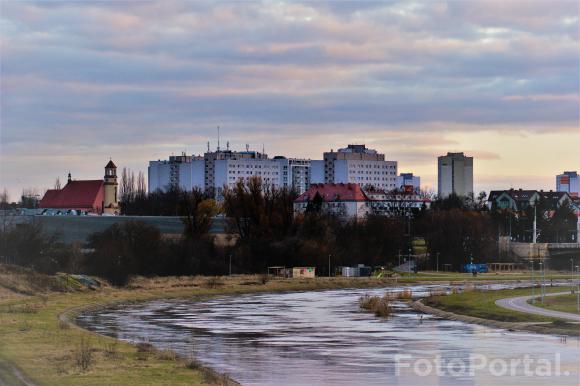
x,y
321,338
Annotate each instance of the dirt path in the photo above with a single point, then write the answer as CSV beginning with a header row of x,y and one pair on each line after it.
x,y
12,376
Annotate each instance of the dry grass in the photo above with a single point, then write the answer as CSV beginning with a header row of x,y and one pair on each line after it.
x,y
83,355
166,355
380,306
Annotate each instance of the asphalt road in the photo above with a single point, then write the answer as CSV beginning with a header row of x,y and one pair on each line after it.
x,y
520,304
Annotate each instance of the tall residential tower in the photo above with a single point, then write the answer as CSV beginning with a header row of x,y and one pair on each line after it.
x,y
455,175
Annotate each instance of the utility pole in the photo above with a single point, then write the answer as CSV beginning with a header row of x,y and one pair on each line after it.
x,y
437,262
230,265
329,265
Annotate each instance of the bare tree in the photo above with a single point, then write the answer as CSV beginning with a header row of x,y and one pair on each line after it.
x,y
4,198
57,183
127,190
141,187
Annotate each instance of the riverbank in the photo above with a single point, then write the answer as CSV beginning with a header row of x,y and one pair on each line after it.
x,y
563,303
42,345
480,307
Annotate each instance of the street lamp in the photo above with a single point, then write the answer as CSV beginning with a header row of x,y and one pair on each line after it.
x,y
329,265
437,262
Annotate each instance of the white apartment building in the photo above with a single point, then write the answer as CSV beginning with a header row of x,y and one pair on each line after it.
x,y
222,168
184,172
455,175
229,171
360,165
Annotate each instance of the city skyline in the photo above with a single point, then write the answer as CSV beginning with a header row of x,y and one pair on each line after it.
x,y
135,81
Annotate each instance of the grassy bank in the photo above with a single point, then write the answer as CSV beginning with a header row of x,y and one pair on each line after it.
x,y
48,351
563,303
481,305
433,276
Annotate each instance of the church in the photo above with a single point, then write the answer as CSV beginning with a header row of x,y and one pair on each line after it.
x,y
91,196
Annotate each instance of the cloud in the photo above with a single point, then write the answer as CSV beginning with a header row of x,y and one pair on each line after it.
x,y
112,75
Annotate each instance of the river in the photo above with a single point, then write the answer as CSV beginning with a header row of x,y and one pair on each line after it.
x,y
322,338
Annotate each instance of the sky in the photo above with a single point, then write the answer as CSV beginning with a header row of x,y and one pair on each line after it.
x,y
140,80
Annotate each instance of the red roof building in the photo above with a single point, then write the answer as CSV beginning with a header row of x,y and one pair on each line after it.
x,y
334,192
93,196
85,195
343,200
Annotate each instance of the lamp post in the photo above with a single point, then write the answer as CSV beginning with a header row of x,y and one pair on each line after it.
x,y
230,265
572,266
329,265
437,262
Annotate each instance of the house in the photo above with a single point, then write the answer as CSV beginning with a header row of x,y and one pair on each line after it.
x,y
91,196
519,200
343,200
397,202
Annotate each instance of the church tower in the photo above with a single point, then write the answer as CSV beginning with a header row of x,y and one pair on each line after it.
x,y
110,202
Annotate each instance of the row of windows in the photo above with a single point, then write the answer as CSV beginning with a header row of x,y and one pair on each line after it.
x,y
253,173
351,172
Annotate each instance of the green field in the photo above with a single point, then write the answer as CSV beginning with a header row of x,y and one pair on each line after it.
x,y
481,304
563,303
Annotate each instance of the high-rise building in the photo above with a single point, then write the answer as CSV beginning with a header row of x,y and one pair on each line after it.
x,y
360,165
568,182
455,175
220,168
408,179
182,171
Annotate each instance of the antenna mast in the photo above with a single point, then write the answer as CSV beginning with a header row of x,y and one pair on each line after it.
x,y
218,138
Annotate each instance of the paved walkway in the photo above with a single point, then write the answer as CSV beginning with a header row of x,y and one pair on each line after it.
x,y
521,304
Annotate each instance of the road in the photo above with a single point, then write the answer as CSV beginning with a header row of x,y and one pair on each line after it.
x,y
521,304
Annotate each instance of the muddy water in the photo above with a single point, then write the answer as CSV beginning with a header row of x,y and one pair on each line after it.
x,y
321,338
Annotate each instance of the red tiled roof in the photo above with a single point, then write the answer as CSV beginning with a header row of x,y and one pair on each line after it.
x,y
75,195
334,192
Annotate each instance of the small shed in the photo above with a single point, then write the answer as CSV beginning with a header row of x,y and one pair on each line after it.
x,y
304,272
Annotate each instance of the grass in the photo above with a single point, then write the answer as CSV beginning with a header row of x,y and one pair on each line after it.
x,y
564,303
378,305
481,304
433,276
46,349
52,352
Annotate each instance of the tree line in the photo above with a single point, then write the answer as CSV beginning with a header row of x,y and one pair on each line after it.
x,y
268,233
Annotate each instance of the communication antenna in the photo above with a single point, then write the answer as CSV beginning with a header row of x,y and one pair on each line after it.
x,y
262,148
208,146
218,138
228,145
247,147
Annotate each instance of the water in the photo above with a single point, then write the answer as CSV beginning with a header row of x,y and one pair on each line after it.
x,y
322,338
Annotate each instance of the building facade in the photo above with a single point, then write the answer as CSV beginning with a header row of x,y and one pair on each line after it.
x,y
568,182
455,175
408,179
218,169
347,201
356,164
85,196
